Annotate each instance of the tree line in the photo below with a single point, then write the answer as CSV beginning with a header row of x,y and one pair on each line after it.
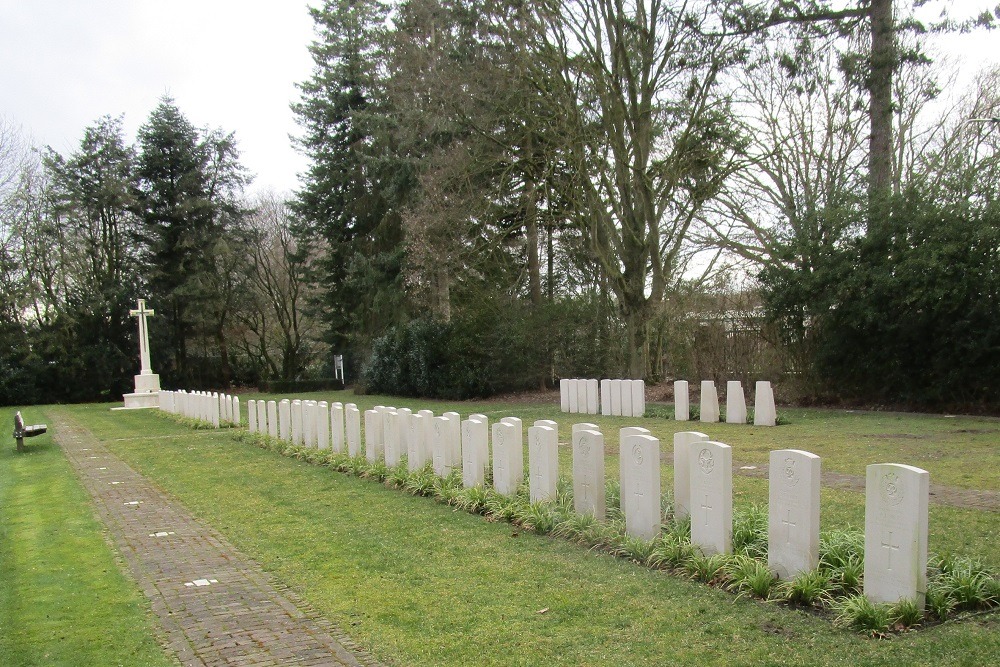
x,y
500,194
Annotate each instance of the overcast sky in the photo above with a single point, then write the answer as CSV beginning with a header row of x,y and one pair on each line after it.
x,y
231,64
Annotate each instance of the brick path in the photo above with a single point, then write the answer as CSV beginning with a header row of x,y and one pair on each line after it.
x,y
215,606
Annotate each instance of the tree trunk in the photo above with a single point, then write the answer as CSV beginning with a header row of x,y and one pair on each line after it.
x,y
635,326
883,65
224,368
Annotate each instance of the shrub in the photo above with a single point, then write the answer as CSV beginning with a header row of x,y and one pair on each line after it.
x,y
860,613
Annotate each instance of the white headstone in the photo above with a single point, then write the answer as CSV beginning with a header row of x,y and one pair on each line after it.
x,y
543,463
709,402
454,439
564,395
581,396
518,458
616,398
606,398
593,397
216,411
443,452
322,425
684,442
272,418
297,436
682,401
484,443
508,457
428,439
374,435
736,403
285,419
416,449
337,427
251,415
626,389
638,398
711,466
352,429
237,419
308,423
639,459
896,499
588,472
793,512
475,436
574,396
393,438
763,412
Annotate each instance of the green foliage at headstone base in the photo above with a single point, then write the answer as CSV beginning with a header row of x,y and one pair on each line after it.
x,y
905,313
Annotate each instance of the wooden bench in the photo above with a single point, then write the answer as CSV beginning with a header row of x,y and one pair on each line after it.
x,y
21,431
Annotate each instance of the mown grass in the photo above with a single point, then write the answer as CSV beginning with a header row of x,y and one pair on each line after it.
x,y
63,597
419,583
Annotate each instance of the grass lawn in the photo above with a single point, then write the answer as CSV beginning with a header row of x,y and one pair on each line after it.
x,y
63,597
419,583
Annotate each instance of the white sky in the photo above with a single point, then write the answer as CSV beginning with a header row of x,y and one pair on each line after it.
x,y
231,64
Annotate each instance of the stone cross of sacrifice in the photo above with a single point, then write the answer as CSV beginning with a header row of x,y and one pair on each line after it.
x,y
142,313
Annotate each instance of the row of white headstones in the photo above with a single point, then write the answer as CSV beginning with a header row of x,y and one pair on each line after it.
x,y
764,413
210,407
617,398
896,495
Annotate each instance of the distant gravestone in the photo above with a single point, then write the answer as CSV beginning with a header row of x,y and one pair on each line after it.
x,y
764,413
475,436
593,397
639,459
606,397
616,398
428,438
564,395
793,512
581,396
415,450
454,439
445,460
393,438
518,458
322,427
896,499
638,398
236,417
711,469
297,438
626,399
352,429
373,435
507,452
736,403
309,423
261,417
574,396
272,419
251,413
709,402
215,411
588,471
285,419
543,463
337,427
683,444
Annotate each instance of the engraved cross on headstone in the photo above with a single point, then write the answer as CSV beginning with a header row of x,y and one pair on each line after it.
x,y
890,547
142,313
788,522
705,506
